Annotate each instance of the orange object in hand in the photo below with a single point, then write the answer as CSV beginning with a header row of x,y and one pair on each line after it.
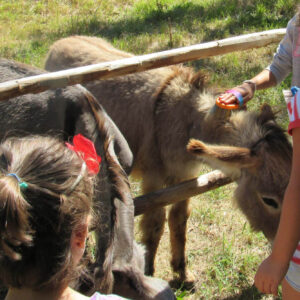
x,y
238,96
226,106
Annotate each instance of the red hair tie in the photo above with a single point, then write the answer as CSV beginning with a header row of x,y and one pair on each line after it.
x,y
86,150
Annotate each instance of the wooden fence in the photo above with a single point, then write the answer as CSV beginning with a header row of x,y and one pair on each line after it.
x,y
39,83
206,182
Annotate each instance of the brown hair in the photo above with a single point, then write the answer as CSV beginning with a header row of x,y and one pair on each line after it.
x,y
36,222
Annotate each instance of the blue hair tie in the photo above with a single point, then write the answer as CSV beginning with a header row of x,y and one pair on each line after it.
x,y
294,90
22,184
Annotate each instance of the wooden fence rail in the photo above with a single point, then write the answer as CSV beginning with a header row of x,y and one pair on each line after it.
x,y
181,191
40,83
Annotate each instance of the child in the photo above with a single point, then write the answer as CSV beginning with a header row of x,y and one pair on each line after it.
x,y
284,260
286,60
46,194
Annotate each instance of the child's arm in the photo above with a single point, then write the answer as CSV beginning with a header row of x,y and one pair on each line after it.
x,y
263,80
280,67
273,269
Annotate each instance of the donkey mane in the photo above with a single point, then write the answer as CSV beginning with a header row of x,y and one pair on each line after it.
x,y
186,75
116,172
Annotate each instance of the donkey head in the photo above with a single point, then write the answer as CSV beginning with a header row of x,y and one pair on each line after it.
x,y
260,164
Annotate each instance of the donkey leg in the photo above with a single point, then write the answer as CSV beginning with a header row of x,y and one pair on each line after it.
x,y
152,222
152,226
178,216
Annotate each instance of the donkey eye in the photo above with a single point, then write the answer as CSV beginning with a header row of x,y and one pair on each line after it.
x,y
270,202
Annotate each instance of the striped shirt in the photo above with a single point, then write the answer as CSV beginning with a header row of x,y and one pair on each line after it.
x,y
98,296
293,108
296,257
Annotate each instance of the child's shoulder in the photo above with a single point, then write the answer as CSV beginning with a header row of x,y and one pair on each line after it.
x,y
98,296
294,22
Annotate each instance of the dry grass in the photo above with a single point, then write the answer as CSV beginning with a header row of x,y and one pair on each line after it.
x,y
222,251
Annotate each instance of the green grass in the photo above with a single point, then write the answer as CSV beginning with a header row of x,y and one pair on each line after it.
x,y
223,253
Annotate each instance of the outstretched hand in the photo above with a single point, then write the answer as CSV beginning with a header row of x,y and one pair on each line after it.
x,y
246,90
269,275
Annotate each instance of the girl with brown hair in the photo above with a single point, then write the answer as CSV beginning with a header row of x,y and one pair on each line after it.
x,y
46,194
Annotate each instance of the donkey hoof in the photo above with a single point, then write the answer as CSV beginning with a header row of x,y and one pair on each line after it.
x,y
184,281
188,279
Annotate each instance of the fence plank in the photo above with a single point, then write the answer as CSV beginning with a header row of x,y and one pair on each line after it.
x,y
39,83
179,192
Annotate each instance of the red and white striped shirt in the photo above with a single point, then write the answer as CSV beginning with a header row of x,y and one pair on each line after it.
x,y
296,256
293,107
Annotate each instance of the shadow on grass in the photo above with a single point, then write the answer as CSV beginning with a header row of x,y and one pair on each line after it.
x,y
231,17
238,16
248,293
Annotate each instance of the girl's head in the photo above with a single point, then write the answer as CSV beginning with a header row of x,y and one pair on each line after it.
x,y
45,200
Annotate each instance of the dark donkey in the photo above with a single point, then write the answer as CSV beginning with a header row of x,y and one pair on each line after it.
x,y
158,112
119,262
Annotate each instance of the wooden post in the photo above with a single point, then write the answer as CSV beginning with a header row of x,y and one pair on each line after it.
x,y
180,192
40,83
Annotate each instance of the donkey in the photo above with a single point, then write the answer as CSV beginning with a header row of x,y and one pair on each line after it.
x,y
118,265
158,112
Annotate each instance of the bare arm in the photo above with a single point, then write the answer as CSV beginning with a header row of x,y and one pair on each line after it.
x,y
263,80
273,269
280,67
288,234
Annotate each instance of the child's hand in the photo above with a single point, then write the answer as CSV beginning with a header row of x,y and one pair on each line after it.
x,y
269,275
246,90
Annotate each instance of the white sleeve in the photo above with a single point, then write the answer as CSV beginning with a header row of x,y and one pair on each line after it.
x,y
281,65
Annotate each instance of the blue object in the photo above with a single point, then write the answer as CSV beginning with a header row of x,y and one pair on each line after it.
x,y
294,90
22,184
238,96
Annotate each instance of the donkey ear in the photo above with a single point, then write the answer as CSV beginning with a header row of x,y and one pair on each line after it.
x,y
266,113
224,156
199,80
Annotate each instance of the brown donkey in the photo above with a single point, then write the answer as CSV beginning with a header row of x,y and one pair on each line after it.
x,y
158,112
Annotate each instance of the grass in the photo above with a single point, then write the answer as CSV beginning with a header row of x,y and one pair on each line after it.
x,y
223,253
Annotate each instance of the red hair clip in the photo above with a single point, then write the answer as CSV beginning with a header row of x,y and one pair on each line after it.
x,y
86,150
